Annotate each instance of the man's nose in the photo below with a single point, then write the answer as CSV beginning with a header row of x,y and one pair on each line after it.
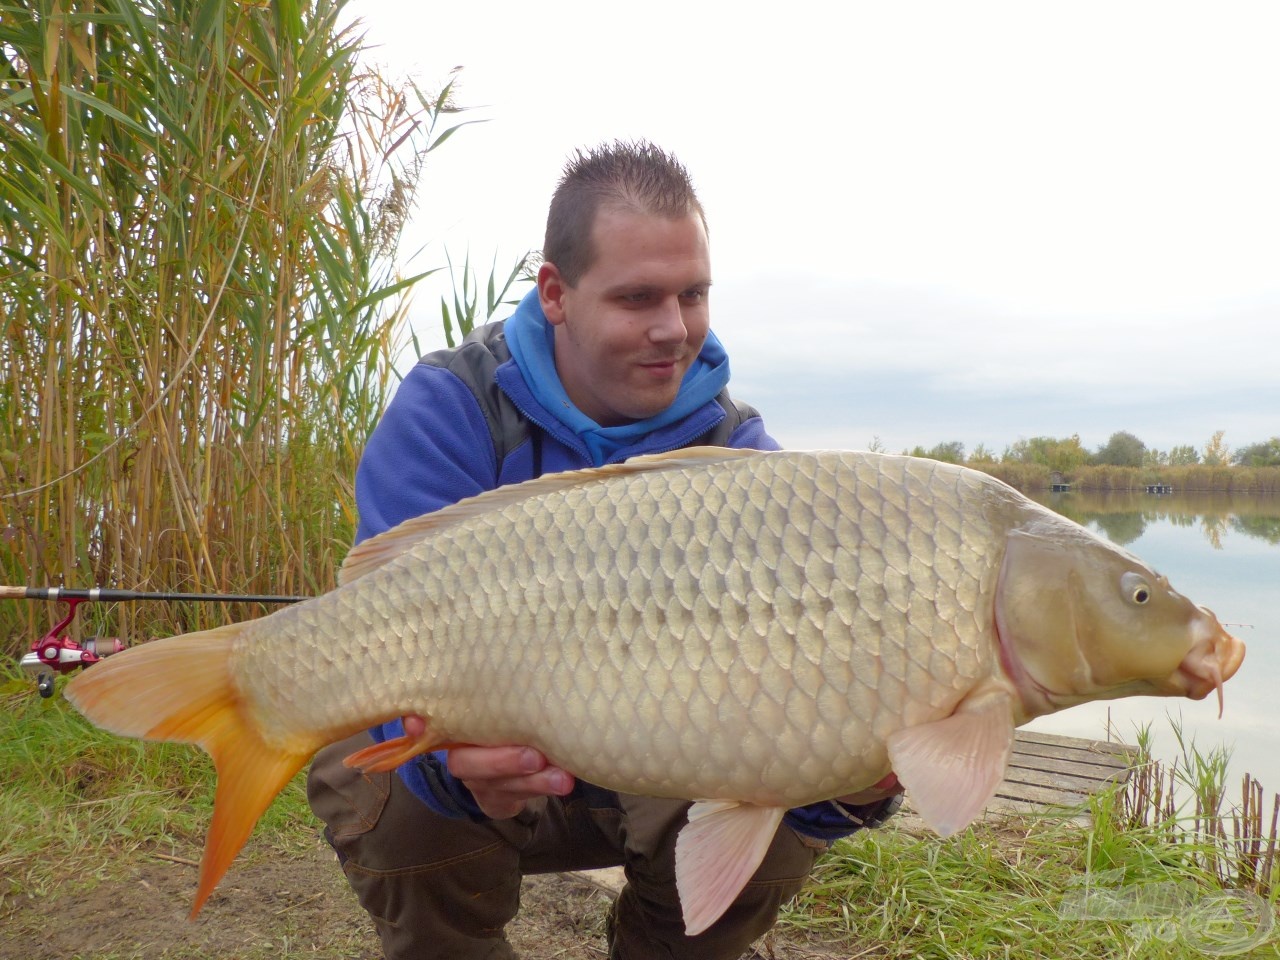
x,y
668,324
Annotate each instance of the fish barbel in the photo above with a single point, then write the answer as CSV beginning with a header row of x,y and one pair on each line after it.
x,y
750,630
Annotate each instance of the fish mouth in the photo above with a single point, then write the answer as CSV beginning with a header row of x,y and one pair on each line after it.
x,y
1211,661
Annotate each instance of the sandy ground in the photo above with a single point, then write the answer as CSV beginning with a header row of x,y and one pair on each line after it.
x,y
279,907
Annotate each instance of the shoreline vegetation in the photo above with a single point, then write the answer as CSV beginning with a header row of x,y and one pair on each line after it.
x,y
1195,478
1123,463
1167,866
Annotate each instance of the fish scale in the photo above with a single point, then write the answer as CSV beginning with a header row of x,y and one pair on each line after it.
x,y
753,631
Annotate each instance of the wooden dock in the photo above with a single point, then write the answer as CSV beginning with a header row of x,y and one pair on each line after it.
x,y
1047,774
1049,771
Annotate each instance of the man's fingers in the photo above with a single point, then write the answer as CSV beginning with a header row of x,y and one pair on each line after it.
x,y
494,763
881,790
504,779
414,726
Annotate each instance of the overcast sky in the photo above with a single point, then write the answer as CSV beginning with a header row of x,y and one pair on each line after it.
x,y
975,221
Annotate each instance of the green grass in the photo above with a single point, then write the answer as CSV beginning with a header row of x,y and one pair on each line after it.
x,y
1018,889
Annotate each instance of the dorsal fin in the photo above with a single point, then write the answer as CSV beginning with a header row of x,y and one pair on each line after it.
x,y
385,547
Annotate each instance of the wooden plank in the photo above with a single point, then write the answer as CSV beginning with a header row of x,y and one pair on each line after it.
x,y
1049,752
1035,751
1058,781
1056,771
1038,736
1102,748
1091,778
1004,806
1068,768
1043,756
1043,796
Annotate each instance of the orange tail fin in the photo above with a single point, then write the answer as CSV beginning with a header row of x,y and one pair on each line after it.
x,y
181,689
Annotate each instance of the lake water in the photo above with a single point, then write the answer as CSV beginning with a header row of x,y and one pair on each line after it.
x,y
1224,553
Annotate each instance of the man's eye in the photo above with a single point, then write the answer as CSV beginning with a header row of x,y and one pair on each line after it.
x,y
694,296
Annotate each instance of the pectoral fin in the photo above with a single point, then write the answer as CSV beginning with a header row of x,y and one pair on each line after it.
x,y
390,754
951,767
717,852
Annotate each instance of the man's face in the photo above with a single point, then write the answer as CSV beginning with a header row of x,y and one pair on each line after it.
x,y
628,331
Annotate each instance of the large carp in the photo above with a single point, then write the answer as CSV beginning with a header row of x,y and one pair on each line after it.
x,y
753,631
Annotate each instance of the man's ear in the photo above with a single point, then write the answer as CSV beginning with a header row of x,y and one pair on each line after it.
x,y
551,291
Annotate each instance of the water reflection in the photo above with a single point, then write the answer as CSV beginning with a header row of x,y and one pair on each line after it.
x,y
1123,516
1262,527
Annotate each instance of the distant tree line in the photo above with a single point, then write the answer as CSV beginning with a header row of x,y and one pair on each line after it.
x,y
1124,462
1123,449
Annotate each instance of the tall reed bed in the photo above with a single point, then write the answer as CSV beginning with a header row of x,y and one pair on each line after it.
x,y
1021,476
1200,478
199,203
1195,478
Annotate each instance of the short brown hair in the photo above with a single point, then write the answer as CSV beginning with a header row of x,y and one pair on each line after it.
x,y
633,175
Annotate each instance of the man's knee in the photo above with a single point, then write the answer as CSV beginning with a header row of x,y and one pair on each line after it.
x,y
347,801
434,886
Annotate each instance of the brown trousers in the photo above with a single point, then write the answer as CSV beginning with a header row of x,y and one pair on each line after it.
x,y
439,887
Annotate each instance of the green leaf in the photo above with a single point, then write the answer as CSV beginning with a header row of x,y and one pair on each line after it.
x,y
377,296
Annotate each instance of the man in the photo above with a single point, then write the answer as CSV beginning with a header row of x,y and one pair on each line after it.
x,y
610,357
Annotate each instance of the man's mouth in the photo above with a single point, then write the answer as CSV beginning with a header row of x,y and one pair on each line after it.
x,y
662,366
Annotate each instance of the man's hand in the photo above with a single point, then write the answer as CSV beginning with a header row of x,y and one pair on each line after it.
x,y
502,779
881,790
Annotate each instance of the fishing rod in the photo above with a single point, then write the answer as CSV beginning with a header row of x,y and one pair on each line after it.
x,y
56,652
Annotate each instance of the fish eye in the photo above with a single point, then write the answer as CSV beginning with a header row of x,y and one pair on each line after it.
x,y
1135,589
